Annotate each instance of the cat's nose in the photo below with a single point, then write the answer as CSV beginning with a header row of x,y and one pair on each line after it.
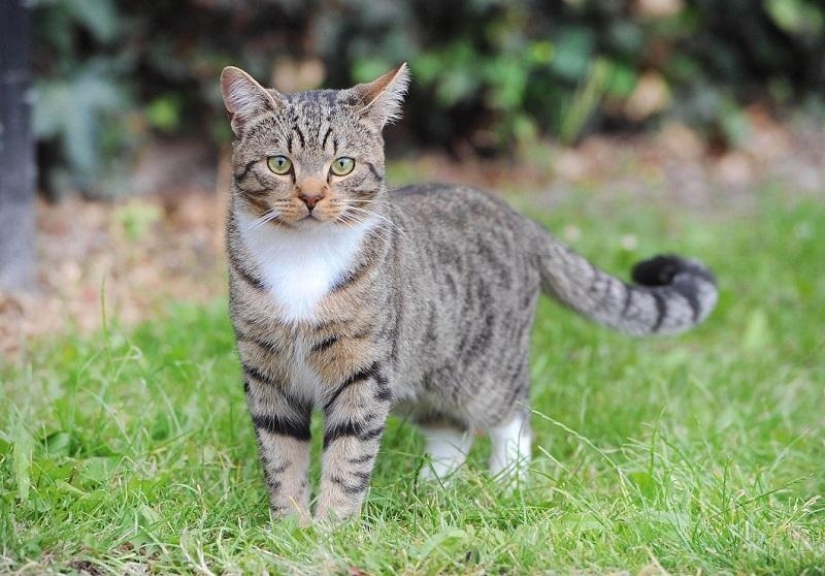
x,y
311,191
311,199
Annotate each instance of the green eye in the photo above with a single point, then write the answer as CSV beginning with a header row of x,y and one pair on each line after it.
x,y
279,164
342,166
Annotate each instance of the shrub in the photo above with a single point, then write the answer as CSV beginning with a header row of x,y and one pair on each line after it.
x,y
113,74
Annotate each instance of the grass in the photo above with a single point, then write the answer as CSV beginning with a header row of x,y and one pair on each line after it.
x,y
131,452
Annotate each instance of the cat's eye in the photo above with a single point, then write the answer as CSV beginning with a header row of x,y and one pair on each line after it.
x,y
342,166
279,164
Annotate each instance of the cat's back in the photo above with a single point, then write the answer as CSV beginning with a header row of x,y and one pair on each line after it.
x,y
453,209
440,195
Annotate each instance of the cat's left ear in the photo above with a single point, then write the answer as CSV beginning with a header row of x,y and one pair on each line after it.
x,y
380,100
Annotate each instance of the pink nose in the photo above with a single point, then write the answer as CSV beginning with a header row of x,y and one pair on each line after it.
x,y
310,199
312,190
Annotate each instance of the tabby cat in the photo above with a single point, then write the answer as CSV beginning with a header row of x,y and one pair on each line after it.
x,y
356,300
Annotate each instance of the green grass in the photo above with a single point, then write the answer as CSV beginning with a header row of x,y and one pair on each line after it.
x,y
705,453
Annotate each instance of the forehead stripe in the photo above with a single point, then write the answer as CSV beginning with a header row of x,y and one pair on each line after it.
x,y
300,134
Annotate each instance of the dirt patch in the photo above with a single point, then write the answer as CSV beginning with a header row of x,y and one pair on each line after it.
x,y
121,260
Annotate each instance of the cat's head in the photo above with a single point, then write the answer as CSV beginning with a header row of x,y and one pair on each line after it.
x,y
311,157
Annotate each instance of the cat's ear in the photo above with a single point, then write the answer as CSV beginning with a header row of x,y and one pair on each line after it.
x,y
380,100
244,98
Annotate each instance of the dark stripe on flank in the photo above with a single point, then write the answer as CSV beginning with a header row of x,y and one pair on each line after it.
x,y
275,424
431,335
396,330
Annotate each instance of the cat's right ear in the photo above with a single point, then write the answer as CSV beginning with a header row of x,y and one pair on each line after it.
x,y
244,98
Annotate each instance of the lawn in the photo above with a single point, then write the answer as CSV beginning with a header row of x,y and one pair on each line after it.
x,y
131,452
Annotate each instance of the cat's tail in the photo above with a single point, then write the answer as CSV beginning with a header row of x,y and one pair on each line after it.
x,y
670,294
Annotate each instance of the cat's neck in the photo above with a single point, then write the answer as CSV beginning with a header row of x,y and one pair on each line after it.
x,y
300,266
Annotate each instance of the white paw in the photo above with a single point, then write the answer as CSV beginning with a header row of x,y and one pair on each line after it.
x,y
511,449
447,449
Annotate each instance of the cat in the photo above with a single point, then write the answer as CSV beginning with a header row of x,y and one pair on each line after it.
x,y
354,299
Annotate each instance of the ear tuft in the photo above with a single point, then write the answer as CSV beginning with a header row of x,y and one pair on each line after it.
x,y
244,98
380,100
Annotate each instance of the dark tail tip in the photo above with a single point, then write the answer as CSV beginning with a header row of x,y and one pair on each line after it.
x,y
661,270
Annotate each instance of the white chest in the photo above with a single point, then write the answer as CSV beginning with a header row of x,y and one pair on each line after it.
x,y
299,267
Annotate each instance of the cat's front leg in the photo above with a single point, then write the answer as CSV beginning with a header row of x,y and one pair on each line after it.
x,y
355,413
282,426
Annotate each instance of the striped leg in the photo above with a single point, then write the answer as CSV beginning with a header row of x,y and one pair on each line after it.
x,y
282,427
354,417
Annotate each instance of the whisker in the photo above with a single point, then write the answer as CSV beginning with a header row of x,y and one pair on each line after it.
x,y
348,220
267,217
363,219
380,217
353,221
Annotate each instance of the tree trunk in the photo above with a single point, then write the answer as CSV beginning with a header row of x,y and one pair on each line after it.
x,y
17,158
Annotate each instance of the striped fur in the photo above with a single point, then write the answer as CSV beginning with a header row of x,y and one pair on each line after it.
x,y
420,300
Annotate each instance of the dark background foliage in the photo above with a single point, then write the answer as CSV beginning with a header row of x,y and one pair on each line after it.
x,y
115,76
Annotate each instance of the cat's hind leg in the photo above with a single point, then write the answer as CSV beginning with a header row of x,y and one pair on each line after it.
x,y
446,448
511,447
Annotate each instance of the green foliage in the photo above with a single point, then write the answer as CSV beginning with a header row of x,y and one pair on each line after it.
x,y
131,452
487,73
79,112
80,92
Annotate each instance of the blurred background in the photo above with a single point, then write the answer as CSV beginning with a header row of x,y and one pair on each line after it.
x,y
694,99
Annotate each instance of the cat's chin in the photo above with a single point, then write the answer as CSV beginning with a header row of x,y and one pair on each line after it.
x,y
312,221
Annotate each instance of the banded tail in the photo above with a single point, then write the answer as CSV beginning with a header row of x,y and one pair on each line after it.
x,y
670,294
